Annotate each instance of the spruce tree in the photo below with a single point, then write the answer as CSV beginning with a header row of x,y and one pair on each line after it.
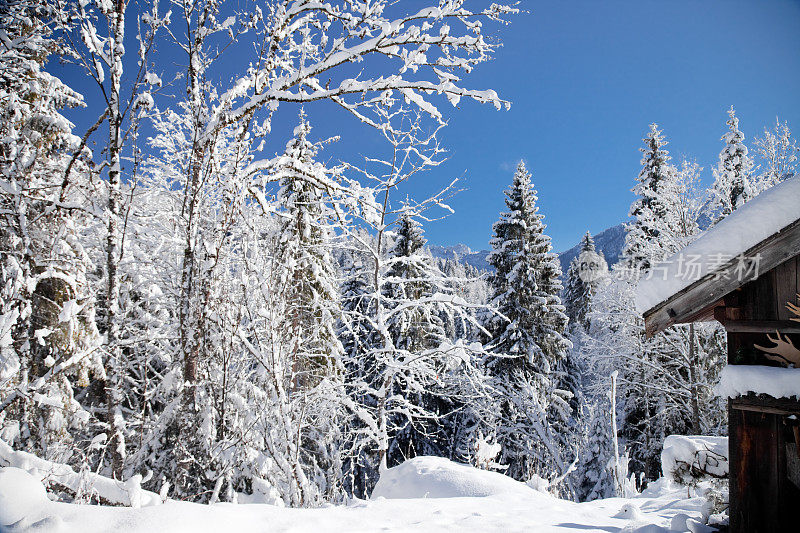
x,y
528,339
595,475
649,209
305,241
733,174
586,273
415,326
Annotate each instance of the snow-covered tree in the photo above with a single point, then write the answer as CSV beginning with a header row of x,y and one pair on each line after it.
x,y
733,175
586,273
407,362
648,211
306,240
777,151
313,308
416,327
594,473
49,336
527,342
413,327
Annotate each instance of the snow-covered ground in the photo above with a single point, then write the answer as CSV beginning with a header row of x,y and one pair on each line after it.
x,y
423,494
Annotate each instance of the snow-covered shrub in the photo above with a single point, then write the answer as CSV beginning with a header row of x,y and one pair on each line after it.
x,y
690,459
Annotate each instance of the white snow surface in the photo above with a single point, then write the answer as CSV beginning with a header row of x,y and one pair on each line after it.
x,y
124,493
702,450
738,380
443,479
761,217
495,505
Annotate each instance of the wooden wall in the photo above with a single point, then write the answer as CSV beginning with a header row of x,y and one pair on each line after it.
x,y
766,297
762,497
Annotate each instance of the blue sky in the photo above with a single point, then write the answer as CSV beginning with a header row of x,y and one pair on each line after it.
x,y
585,79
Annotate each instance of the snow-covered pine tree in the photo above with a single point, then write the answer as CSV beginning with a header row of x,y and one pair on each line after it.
x,y
594,474
641,248
415,326
587,272
528,341
306,240
47,322
313,307
387,398
733,174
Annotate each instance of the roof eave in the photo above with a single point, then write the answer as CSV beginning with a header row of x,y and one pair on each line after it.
x,y
697,301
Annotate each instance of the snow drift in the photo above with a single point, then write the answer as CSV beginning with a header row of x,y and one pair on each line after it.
x,y
127,493
436,477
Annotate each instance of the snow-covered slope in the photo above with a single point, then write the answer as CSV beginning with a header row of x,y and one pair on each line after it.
x,y
495,506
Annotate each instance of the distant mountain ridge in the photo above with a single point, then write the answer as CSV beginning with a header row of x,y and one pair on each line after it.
x,y
463,254
610,242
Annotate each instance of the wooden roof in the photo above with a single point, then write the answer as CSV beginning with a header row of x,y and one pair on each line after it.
x,y
696,303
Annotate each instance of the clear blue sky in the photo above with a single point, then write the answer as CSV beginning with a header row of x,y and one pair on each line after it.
x,y
585,79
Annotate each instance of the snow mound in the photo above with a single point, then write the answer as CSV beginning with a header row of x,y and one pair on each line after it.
x,y
761,217
20,495
436,477
128,493
738,380
630,511
694,456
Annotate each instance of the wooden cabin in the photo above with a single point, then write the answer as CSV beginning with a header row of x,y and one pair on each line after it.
x,y
763,333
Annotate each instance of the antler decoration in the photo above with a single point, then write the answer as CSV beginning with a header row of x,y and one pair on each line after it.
x,y
784,350
795,309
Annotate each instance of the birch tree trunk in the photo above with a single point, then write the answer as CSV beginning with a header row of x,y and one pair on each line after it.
x,y
113,242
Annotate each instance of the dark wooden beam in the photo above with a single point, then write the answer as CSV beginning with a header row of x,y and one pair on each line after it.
x,y
766,404
761,326
714,286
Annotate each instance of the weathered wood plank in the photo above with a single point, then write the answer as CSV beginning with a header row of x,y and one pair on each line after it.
x,y
761,326
755,469
760,298
766,404
785,285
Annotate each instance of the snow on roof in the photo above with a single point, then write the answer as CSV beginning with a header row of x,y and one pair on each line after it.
x,y
739,380
758,219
